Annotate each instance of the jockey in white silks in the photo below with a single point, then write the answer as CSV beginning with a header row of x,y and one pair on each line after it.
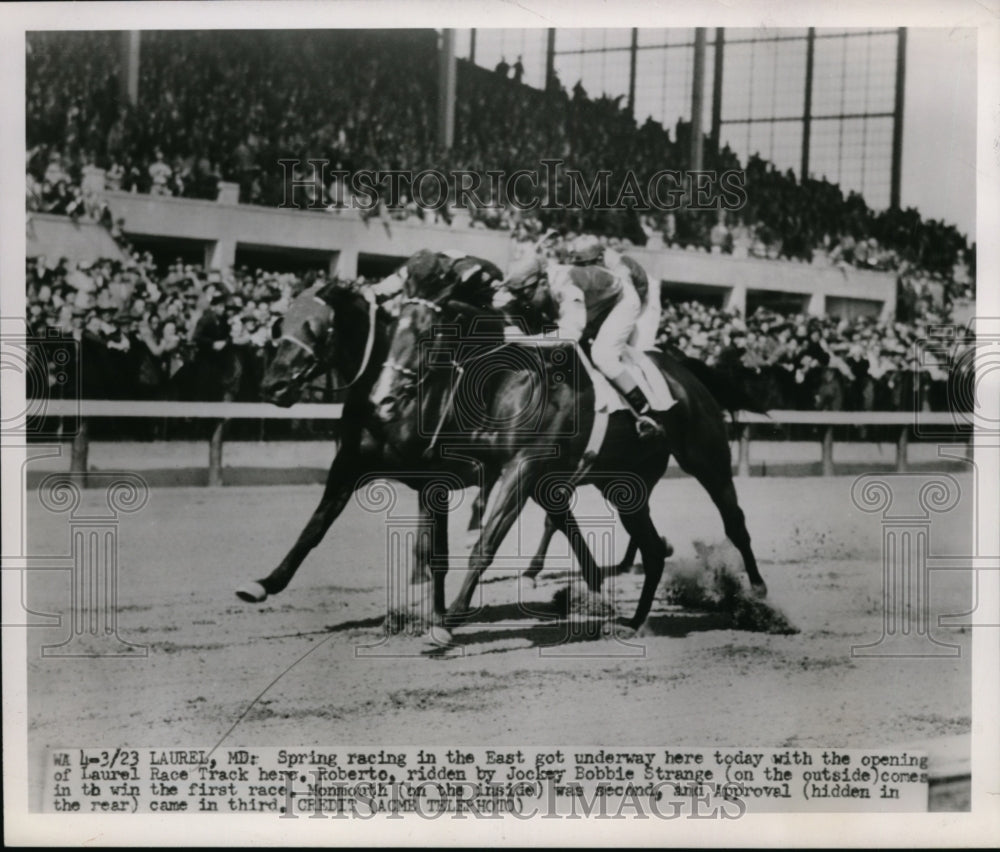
x,y
590,302
588,251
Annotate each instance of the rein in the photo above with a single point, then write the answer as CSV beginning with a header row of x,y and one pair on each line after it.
x,y
310,370
370,341
459,367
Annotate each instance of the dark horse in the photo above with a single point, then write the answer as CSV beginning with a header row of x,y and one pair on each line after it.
x,y
337,327
528,409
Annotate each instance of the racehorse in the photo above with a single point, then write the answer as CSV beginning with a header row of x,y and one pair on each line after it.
x,y
336,327
529,410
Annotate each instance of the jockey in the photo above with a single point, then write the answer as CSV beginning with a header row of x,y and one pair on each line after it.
x,y
587,250
428,273
590,302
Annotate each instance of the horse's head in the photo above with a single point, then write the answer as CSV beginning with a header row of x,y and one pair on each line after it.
x,y
410,358
306,347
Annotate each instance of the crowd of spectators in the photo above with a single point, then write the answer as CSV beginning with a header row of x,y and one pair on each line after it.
x,y
798,343
232,105
172,316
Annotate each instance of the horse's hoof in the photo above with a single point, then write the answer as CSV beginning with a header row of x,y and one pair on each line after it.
x,y
623,631
668,548
438,635
252,592
758,590
632,629
419,576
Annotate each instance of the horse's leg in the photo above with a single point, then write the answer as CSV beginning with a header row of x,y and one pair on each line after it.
x,y
640,526
480,503
701,448
341,482
510,495
476,518
565,522
426,543
720,487
439,563
629,559
432,548
633,546
538,560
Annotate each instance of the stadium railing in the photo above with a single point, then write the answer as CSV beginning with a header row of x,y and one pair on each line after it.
x,y
223,411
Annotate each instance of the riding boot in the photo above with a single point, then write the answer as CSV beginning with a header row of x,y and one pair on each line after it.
x,y
645,424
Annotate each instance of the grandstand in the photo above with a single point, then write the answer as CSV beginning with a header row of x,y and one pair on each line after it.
x,y
164,156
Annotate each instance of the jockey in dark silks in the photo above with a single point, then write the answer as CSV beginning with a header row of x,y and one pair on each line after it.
x,y
432,272
595,303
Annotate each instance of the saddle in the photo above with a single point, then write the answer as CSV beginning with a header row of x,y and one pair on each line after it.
x,y
607,399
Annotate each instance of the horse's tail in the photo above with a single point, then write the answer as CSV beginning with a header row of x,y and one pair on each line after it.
x,y
726,390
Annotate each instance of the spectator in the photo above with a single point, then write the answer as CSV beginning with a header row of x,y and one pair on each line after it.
x,y
159,175
113,177
721,238
518,70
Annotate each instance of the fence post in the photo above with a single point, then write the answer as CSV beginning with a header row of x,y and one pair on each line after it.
x,y
78,461
743,462
828,451
215,454
901,445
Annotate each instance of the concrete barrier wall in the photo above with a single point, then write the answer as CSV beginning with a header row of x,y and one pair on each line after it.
x,y
222,227
58,236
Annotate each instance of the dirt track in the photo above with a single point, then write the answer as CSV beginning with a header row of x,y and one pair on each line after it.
x,y
515,679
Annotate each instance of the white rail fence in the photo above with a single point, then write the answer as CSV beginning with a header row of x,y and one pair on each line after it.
x,y
223,411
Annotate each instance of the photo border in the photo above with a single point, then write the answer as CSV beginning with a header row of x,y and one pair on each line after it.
x,y
980,827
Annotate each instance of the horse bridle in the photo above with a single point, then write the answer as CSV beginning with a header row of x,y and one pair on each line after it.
x,y
415,375
309,371
419,377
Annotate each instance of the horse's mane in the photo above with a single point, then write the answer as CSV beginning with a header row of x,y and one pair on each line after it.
x,y
335,292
